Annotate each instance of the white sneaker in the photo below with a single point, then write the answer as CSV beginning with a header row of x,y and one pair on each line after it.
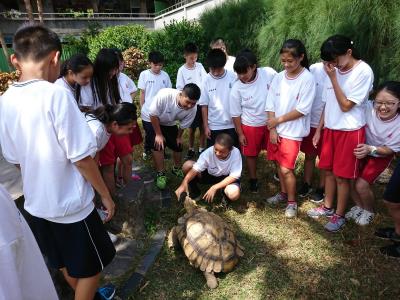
x,y
354,213
113,237
291,210
278,198
365,218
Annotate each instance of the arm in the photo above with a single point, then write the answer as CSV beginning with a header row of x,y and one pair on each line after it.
x,y
273,134
317,135
209,195
204,113
90,171
142,95
185,182
159,140
363,150
133,95
237,121
290,116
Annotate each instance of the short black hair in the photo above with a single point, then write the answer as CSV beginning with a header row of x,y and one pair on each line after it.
x,y
224,140
192,91
244,60
156,57
35,42
216,58
190,48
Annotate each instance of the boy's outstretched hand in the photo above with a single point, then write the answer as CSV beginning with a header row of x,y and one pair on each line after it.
x,y
180,190
209,195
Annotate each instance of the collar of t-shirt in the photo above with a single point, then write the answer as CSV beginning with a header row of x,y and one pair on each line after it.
x,y
219,77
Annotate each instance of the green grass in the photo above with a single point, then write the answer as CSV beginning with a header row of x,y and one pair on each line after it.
x,y
284,258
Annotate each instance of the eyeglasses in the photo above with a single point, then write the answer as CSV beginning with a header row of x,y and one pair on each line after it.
x,y
378,103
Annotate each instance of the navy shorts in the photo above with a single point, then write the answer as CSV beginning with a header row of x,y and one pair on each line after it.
x,y
392,191
170,134
83,248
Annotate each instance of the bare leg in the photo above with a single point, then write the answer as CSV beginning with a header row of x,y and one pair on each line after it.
x,y
309,164
365,193
281,180
330,188
187,166
126,166
202,137
109,177
321,179
177,156
70,280
191,138
232,191
252,166
158,157
394,211
290,183
343,193
86,287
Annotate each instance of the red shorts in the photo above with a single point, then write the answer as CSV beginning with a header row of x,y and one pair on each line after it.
x,y
307,146
337,152
117,146
256,137
284,153
371,167
135,136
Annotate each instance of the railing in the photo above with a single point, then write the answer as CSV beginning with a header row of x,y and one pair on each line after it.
x,y
16,15
178,4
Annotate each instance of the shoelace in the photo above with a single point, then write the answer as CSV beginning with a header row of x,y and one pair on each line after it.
x,y
334,219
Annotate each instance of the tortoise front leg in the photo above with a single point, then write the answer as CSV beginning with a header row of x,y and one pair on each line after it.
x,y
212,282
173,241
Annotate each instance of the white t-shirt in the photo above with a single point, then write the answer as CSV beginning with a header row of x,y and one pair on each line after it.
x,y
86,96
10,177
231,166
248,99
62,82
356,84
165,107
288,94
186,75
382,133
126,87
99,131
318,105
42,130
215,93
23,273
229,63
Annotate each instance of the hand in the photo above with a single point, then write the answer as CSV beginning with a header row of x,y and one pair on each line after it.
x,y
109,206
274,137
242,140
179,141
207,132
159,142
181,189
272,123
330,70
362,150
316,138
209,195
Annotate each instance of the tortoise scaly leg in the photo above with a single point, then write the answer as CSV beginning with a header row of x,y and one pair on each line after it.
x,y
212,282
173,241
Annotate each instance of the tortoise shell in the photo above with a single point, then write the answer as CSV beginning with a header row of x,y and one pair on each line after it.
x,y
208,242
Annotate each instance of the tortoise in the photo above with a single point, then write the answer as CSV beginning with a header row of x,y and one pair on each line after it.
x,y
207,240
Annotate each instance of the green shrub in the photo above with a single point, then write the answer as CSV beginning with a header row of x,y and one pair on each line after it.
x,y
135,62
81,44
238,22
171,40
121,37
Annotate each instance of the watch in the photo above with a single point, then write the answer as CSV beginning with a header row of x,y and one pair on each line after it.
x,y
373,151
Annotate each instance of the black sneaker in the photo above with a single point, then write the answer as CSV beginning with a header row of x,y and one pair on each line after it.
x,y
253,186
387,233
190,154
391,250
304,190
317,197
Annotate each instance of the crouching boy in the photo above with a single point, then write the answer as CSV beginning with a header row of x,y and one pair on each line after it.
x,y
219,165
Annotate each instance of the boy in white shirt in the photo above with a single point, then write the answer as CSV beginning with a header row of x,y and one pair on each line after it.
x,y
160,125
219,165
192,72
219,43
53,151
150,82
215,97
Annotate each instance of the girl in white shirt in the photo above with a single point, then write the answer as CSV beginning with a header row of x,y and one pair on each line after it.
x,y
288,107
76,72
382,141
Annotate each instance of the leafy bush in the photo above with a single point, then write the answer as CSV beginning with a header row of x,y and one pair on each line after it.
x,y
81,44
238,22
171,40
135,62
6,79
121,37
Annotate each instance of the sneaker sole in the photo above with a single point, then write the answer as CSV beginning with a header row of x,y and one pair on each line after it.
x,y
333,231
316,202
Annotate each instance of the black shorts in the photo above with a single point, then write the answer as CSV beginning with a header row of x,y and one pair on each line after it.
x,y
231,132
392,191
207,178
83,248
198,119
170,134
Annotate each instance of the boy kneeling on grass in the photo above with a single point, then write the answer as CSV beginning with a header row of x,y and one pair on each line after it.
x,y
219,165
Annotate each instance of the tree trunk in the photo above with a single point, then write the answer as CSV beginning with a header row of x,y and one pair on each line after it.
x,y
28,8
40,10
5,50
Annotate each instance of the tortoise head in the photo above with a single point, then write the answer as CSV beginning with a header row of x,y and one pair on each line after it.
x,y
188,202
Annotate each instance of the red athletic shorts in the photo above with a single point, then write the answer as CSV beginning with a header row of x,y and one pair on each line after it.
x,y
337,152
307,146
135,136
117,146
284,153
256,137
371,167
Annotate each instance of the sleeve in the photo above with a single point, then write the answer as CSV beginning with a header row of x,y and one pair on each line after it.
x,y
306,97
270,75
236,169
203,72
73,132
361,86
157,104
204,98
202,163
270,103
235,105
130,85
169,84
188,119
142,81
180,82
